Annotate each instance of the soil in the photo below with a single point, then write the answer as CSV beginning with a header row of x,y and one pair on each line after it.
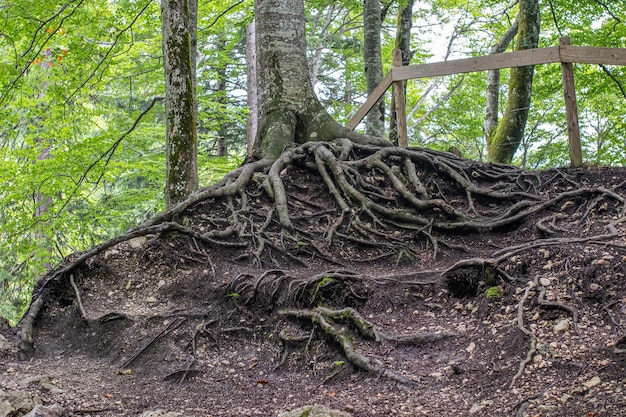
x,y
516,322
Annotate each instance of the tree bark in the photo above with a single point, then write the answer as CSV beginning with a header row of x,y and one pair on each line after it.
x,y
251,73
372,58
493,84
180,100
221,99
403,43
289,111
502,145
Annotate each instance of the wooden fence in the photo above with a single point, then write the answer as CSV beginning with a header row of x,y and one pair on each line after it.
x,y
565,54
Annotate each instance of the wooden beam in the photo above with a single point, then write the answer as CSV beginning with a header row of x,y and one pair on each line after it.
x,y
371,101
400,98
592,55
571,109
479,63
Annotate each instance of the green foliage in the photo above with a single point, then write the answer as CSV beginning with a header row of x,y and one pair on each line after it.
x,y
82,142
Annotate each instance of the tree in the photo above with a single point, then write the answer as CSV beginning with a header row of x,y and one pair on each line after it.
x,y
289,110
180,100
373,65
507,136
404,23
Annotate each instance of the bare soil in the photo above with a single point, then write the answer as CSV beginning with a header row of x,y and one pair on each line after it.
x,y
211,327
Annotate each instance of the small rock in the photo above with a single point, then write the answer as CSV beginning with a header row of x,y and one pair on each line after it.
x,y
16,403
471,347
110,252
537,358
136,242
592,382
478,407
160,413
544,282
54,410
315,410
561,326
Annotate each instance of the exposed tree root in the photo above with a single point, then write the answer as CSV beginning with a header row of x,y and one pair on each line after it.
x,y
533,339
326,319
379,203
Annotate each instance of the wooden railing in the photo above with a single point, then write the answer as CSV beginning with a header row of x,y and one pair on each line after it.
x,y
565,54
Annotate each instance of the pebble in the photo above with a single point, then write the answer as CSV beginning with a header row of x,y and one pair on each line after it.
x,y
592,382
561,326
544,282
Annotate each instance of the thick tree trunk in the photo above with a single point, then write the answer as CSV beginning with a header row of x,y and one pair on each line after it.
x,y
375,121
289,111
403,43
493,84
180,100
502,145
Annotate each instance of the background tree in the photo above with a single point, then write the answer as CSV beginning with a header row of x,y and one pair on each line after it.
x,y
373,65
404,25
501,146
180,100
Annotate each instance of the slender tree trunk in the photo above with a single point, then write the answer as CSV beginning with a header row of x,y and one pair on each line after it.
x,y
316,59
502,145
221,99
375,121
251,72
180,100
403,43
493,84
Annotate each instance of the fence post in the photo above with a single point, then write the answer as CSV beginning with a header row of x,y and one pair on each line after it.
x,y
571,109
400,98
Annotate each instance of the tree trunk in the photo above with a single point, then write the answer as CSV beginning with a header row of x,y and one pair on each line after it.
x,y
221,98
375,121
180,101
251,73
502,145
403,43
493,84
289,111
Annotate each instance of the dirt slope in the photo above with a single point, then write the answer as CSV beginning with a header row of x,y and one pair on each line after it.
x,y
513,318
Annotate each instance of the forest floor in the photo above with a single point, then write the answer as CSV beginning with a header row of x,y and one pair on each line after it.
x,y
164,321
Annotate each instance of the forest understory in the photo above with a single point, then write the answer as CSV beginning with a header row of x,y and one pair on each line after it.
x,y
374,280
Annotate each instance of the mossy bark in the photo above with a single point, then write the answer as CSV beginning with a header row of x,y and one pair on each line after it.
x,y
501,146
289,111
180,101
